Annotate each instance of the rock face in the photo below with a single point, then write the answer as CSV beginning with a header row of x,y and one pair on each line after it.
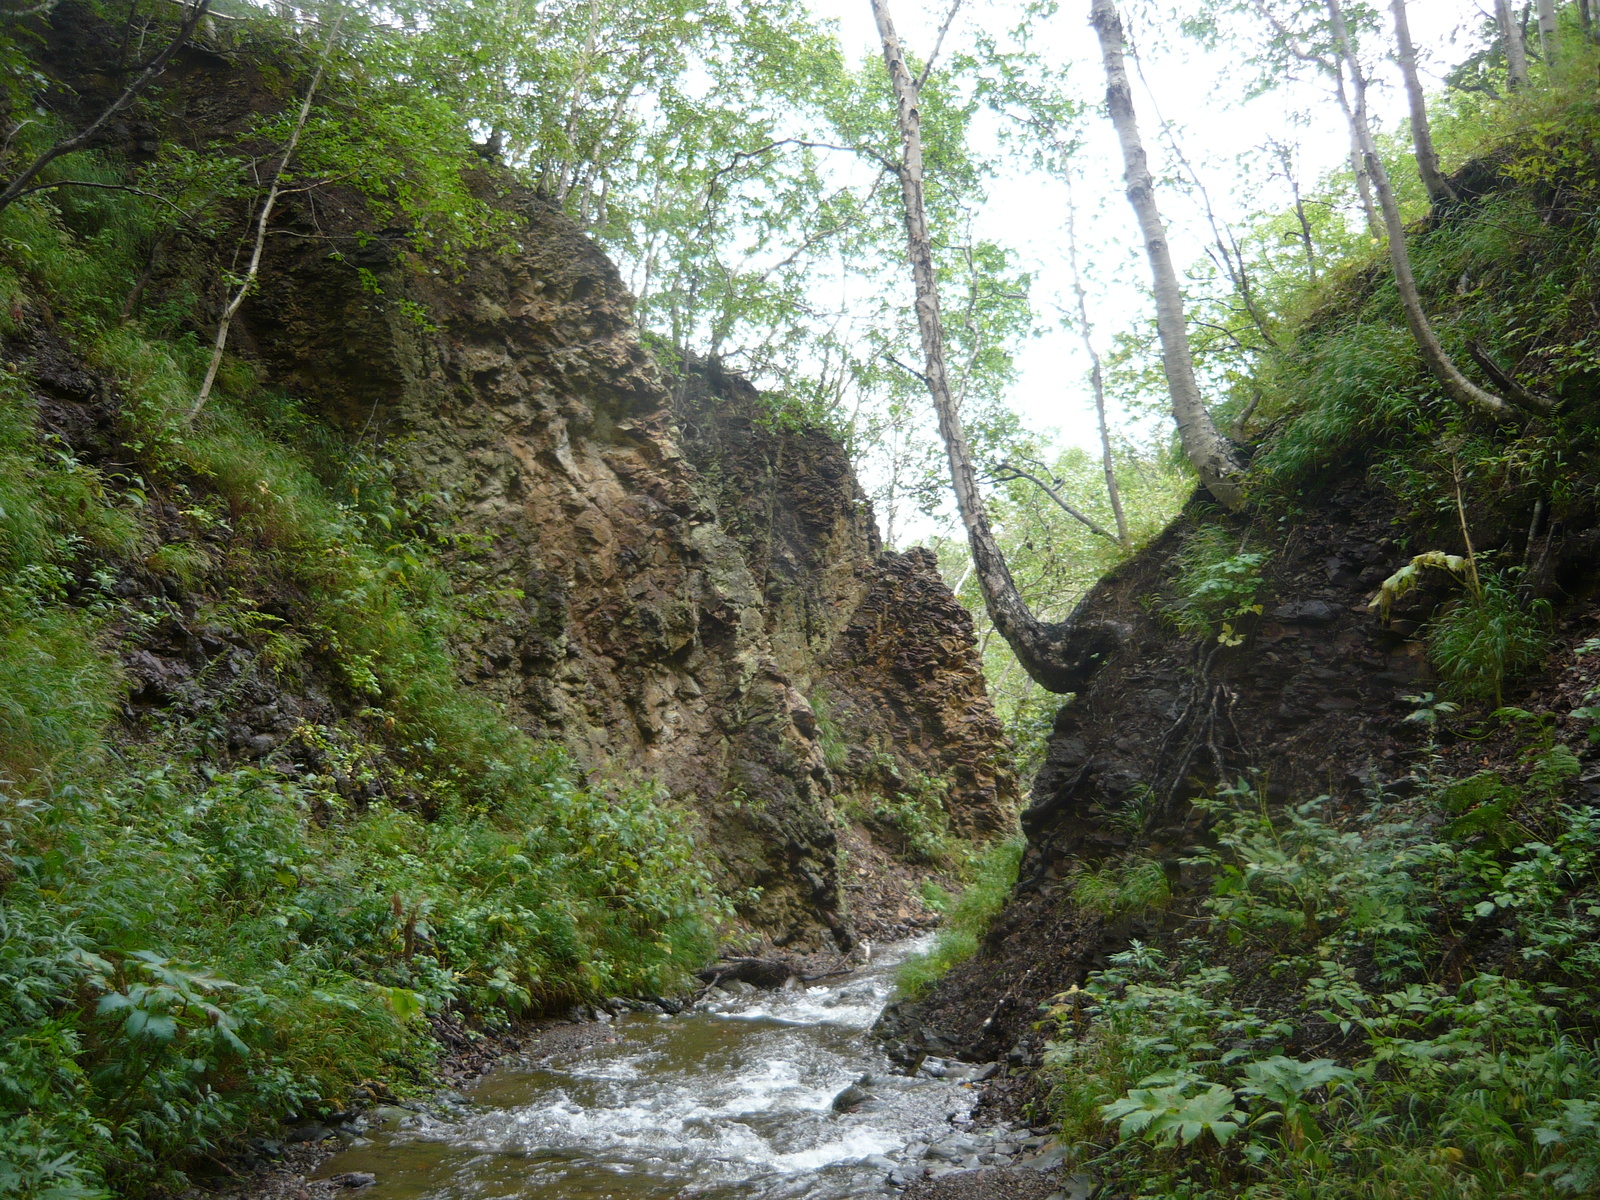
x,y
907,691
663,574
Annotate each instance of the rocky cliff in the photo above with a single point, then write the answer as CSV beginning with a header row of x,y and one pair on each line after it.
x,y
660,575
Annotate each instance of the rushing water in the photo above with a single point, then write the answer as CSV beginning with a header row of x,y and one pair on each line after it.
x,y
730,1099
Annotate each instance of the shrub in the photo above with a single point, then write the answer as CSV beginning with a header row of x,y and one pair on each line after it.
x,y
990,879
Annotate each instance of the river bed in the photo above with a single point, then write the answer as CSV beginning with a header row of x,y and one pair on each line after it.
x,y
731,1098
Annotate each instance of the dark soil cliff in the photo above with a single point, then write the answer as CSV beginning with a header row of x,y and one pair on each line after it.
x,y
1312,702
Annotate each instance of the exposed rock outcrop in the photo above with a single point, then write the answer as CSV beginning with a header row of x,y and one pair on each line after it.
x,y
663,573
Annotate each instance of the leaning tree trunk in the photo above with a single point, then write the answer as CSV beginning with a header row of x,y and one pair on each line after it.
x,y
1210,453
1461,389
1511,40
1439,189
1060,657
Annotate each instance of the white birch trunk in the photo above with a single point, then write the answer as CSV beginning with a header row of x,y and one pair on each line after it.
x,y
1439,189
1060,657
1207,450
1548,49
1511,40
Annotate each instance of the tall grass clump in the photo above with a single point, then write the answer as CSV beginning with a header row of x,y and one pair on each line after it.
x,y
1487,637
991,877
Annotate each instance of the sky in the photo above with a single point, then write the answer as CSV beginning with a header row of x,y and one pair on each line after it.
x,y
1197,92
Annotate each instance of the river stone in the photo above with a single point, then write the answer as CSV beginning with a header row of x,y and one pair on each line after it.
x,y
353,1179
1051,1156
850,1097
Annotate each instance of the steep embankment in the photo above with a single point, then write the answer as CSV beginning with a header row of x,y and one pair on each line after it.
x,y
1315,701
1302,850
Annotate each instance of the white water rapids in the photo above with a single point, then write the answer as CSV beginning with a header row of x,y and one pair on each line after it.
x,y
730,1099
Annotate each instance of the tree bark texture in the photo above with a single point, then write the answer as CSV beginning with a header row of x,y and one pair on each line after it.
x,y
1461,389
1511,41
1207,450
1439,189
1548,49
1060,657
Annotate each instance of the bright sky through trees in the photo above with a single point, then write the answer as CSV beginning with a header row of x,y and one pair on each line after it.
x,y
1199,93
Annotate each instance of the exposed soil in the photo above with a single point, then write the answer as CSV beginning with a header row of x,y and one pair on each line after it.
x,y
1311,703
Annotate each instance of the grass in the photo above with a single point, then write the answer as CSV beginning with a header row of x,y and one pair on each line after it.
x,y
1487,637
989,882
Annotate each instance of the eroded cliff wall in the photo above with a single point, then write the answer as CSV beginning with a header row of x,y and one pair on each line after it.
x,y
664,573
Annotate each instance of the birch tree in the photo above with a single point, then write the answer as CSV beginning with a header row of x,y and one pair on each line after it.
x,y
1548,50
1060,656
1438,187
1211,455
1511,40
1461,389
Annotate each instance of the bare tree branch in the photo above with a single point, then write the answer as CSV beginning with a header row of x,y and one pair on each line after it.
x,y
85,137
938,42
1006,472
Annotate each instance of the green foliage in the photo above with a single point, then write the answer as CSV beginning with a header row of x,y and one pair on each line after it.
x,y
1288,1084
320,942
1438,1088
1487,637
1217,584
1409,576
990,878
1164,1110
835,747
918,815
1133,888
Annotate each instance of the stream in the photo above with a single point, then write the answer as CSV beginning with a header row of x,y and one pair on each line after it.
x,y
730,1098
